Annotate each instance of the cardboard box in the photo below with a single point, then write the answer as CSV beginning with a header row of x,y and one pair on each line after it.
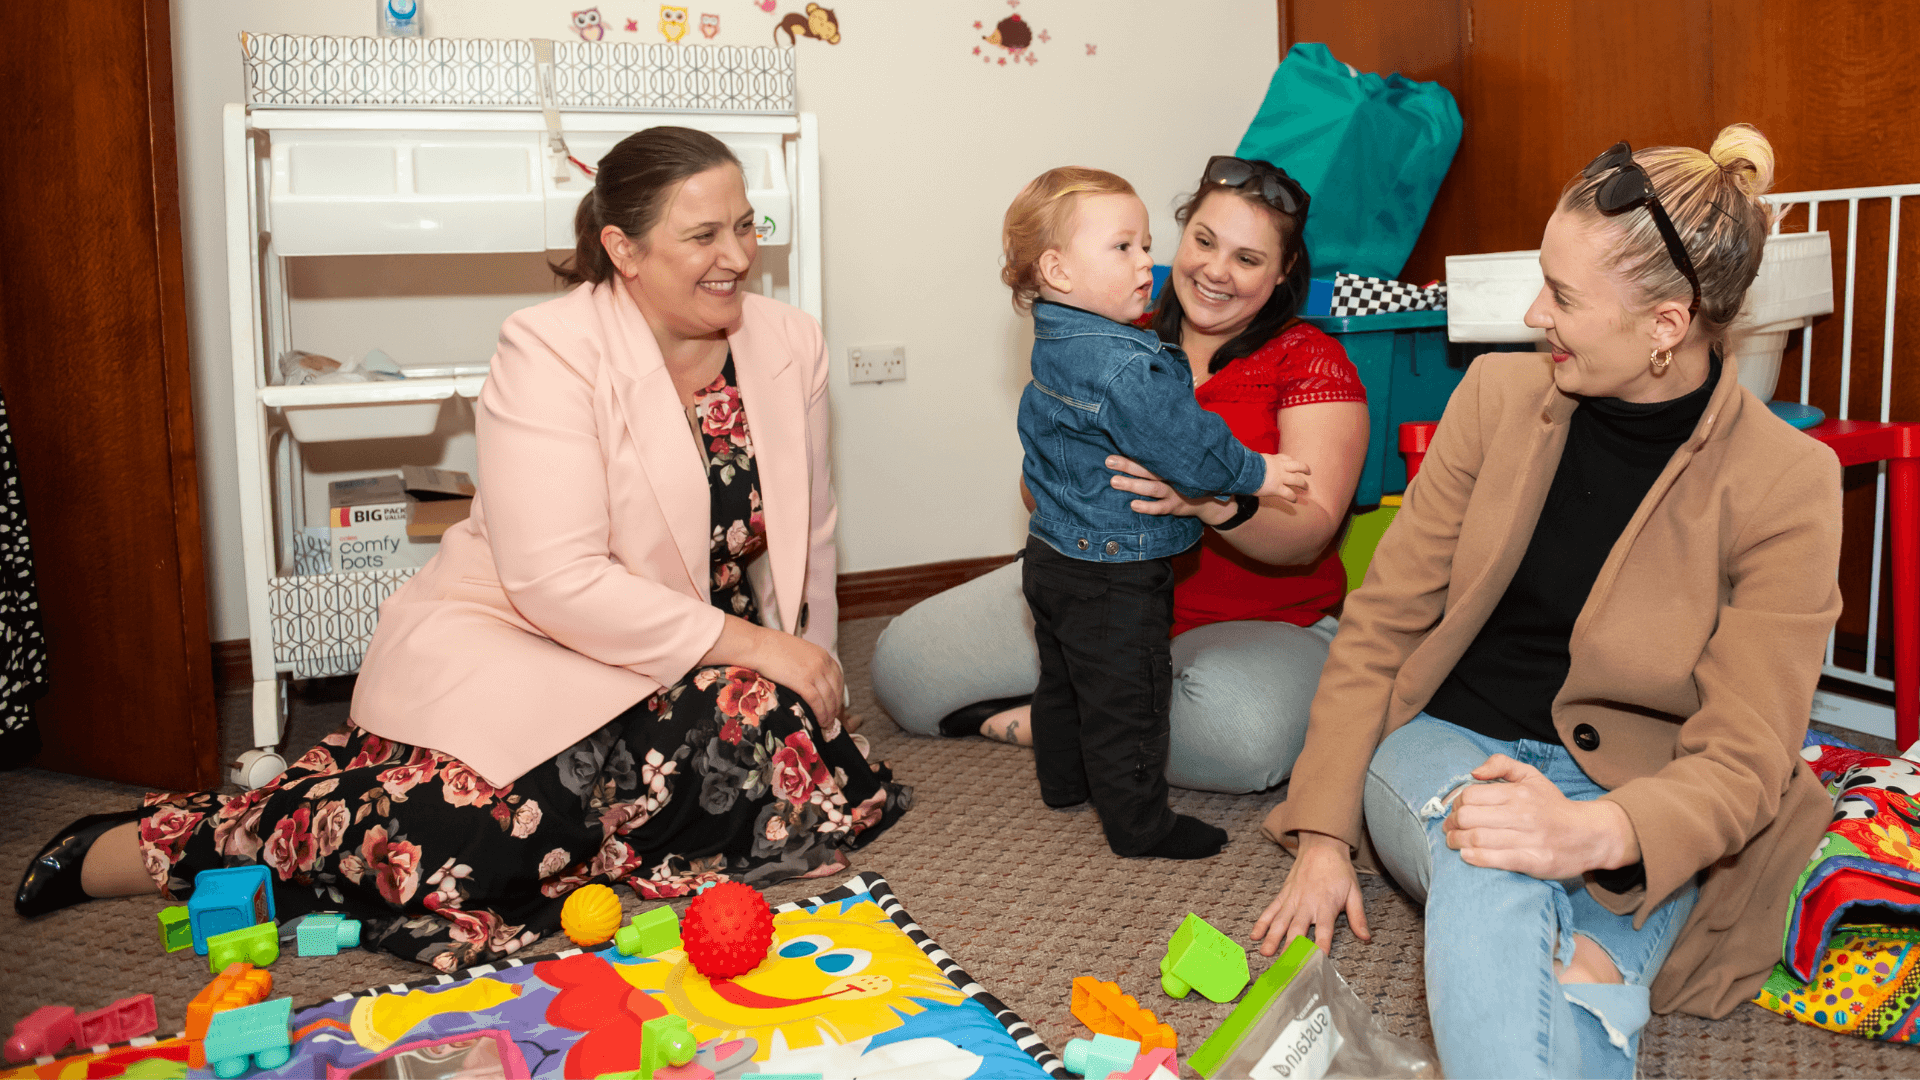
x,y
368,521
384,522
437,499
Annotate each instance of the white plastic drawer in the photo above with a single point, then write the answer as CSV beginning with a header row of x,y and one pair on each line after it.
x,y
762,159
336,412
396,192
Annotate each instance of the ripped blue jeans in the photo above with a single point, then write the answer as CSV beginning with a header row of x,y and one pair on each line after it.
x,y
1493,935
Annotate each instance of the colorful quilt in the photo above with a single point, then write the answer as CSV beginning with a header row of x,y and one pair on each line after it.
x,y
852,987
1844,968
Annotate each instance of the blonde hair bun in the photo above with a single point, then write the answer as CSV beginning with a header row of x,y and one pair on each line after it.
x,y
1746,157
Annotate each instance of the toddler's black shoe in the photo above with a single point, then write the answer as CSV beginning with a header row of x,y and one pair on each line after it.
x,y
966,719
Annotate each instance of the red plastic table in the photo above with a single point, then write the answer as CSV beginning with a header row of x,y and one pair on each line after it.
x,y
1857,442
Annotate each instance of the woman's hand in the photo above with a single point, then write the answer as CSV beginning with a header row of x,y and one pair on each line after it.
x,y
1158,498
1527,825
1321,886
793,662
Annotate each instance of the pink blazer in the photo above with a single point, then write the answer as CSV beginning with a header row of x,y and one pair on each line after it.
x,y
579,585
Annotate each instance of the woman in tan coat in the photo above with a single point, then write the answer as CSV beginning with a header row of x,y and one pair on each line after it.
x,y
1568,701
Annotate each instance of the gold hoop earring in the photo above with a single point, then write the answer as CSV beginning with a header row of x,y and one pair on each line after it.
x,y
1661,360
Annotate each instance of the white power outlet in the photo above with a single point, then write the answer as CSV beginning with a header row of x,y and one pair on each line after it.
x,y
876,363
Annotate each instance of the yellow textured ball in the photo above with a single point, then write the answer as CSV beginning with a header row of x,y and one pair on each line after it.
x,y
591,915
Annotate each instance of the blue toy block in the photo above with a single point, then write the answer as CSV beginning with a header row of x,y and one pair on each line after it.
x,y
1100,1056
227,900
326,933
256,1031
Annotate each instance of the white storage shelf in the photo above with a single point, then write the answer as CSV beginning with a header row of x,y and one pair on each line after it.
x,y
332,412
310,180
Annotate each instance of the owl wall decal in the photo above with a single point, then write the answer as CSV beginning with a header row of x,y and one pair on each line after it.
x,y
588,25
673,23
709,25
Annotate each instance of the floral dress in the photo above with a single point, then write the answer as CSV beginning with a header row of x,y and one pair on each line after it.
x,y
723,776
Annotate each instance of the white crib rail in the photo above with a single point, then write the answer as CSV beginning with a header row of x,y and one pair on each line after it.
x,y
1895,194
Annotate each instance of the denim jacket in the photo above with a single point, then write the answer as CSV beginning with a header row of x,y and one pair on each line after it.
x,y
1101,387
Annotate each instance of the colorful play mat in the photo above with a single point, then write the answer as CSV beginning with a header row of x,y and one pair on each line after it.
x,y
852,987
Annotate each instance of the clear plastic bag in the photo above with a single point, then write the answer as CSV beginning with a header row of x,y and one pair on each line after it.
x,y
1300,1021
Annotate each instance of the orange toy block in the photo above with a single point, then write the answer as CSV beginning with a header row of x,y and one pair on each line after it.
x,y
1102,1007
240,985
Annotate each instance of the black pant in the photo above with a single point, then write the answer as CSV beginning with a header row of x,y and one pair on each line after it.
x,y
1100,726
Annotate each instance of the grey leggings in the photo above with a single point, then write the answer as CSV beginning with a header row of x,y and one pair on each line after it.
x,y
1240,693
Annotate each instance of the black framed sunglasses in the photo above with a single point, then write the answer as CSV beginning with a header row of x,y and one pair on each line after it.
x,y
1628,187
1282,192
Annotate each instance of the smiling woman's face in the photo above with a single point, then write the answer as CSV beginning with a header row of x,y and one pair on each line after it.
x,y
692,269
1228,263
1601,347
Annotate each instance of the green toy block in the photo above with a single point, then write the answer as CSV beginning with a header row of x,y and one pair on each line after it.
x,y
665,1040
1204,959
1227,1037
650,932
1101,1056
176,932
258,945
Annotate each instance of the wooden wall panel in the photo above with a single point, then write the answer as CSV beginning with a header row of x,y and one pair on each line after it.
x,y
95,373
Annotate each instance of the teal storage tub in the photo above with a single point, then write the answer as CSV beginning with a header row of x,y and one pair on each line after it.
x,y
1409,372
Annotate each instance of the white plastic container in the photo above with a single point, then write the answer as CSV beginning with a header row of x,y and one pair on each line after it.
x,y
332,412
1488,296
1795,282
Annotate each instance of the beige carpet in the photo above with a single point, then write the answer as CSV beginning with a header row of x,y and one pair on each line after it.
x,y
1024,898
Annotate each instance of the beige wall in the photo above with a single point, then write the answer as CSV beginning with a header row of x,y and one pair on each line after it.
x,y
922,145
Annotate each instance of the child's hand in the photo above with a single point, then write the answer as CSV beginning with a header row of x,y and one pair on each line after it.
x,y
1286,478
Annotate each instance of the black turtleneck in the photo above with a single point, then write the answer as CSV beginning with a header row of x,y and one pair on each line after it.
x,y
1504,685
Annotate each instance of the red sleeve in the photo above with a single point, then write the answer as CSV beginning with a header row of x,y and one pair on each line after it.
x,y
1311,368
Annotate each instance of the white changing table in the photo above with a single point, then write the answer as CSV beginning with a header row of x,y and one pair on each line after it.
x,y
362,146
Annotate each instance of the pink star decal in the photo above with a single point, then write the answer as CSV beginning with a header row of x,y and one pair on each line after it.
x,y
976,24
1013,3
1032,59
1044,38
633,26
976,50
1090,49
1003,61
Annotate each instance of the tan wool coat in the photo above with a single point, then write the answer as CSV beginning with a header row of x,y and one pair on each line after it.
x,y
1695,656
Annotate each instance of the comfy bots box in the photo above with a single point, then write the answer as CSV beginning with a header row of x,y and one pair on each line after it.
x,y
368,522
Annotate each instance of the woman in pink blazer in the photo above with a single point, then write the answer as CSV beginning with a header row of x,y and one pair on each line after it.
x,y
620,667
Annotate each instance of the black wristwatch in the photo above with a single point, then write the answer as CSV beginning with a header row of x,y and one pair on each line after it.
x,y
1249,505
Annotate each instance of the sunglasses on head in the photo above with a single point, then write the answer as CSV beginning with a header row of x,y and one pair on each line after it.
x,y
1628,187
1282,192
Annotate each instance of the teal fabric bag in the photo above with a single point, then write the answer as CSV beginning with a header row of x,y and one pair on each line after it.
x,y
1371,153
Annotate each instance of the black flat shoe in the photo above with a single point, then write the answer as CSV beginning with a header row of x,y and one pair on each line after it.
x,y
966,720
52,880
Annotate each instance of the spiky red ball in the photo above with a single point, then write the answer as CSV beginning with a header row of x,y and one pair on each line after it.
x,y
727,930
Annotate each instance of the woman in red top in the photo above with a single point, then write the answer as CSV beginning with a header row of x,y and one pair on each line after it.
x,y
1253,602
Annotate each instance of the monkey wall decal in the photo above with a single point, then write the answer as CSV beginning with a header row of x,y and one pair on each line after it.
x,y
818,23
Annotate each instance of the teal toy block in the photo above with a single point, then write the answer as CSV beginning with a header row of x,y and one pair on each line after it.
x,y
256,945
665,1040
650,932
176,931
1100,1056
228,899
258,1032
1204,959
326,933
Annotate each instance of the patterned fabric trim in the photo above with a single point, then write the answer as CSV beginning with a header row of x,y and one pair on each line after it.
x,y
328,72
322,623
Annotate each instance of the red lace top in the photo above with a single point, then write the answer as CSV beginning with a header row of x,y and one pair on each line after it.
x,y
1213,582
